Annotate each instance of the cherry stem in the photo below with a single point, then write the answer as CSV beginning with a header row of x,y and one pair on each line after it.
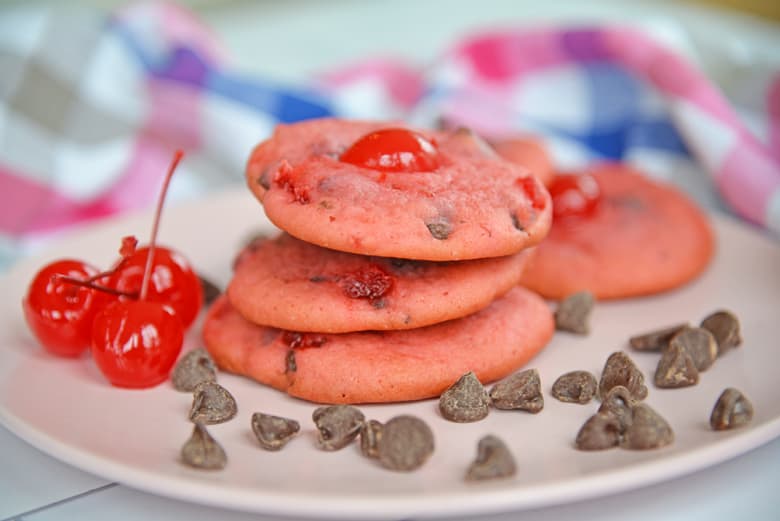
x,y
150,258
90,283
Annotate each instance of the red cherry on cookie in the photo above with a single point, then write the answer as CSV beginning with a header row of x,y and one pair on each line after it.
x,y
393,150
135,343
574,195
59,313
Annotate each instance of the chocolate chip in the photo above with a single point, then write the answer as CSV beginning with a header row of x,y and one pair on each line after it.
x,y
516,222
724,326
440,228
290,365
337,425
273,432
193,368
601,431
699,343
648,430
619,402
676,368
732,410
202,451
655,340
619,369
263,181
494,460
212,403
521,390
573,313
405,444
465,401
575,387
370,436
210,290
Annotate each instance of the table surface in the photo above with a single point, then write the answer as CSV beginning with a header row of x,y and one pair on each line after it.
x,y
36,487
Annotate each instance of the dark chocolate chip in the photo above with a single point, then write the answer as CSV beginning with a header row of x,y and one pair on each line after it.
x,y
648,429
521,390
405,444
337,425
575,387
601,431
573,313
273,432
193,368
465,401
202,451
212,403
676,368
494,460
370,436
724,326
210,290
619,369
655,340
440,228
732,410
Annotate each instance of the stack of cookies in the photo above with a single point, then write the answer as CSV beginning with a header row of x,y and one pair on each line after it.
x,y
396,268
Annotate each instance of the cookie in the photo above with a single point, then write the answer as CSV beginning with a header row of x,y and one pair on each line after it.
x,y
529,153
625,236
389,366
290,284
448,199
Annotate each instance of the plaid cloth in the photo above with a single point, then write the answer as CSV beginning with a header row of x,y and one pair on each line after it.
x,y
92,107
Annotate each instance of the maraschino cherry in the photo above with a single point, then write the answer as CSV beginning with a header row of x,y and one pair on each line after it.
x,y
173,282
135,343
393,150
59,313
574,195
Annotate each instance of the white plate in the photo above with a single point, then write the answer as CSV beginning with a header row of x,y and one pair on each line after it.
x,y
65,408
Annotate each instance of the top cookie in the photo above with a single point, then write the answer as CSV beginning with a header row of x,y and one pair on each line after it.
x,y
459,201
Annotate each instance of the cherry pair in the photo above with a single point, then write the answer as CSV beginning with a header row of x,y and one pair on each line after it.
x,y
133,316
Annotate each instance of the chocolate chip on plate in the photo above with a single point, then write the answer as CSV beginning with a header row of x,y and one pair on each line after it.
x,y
732,409
465,401
519,391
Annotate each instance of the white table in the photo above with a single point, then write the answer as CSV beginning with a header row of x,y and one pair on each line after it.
x,y
36,487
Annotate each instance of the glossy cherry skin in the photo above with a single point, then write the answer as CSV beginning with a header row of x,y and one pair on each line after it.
x,y
173,282
574,195
60,313
393,150
136,343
